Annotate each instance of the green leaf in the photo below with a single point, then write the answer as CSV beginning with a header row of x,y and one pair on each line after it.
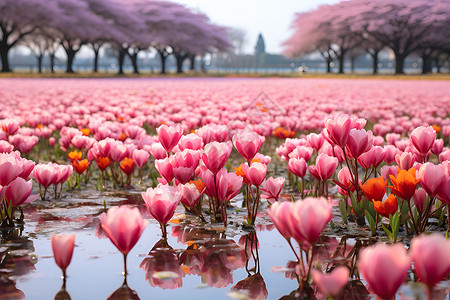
x,y
332,225
388,232
292,198
343,210
10,208
371,222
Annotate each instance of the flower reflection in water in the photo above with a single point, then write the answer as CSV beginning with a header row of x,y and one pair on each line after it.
x,y
15,261
162,267
253,287
124,292
209,255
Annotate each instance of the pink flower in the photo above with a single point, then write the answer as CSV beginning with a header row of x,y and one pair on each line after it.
x,y
165,168
384,268
338,129
432,178
390,152
331,284
190,194
247,143
420,200
124,226
46,174
256,173
423,139
405,161
438,146
62,246
215,155
430,254
9,169
5,147
302,152
169,136
140,157
280,212
308,218
374,157
161,202
325,166
228,185
190,141
444,193
315,140
298,167
158,151
271,188
359,141
18,191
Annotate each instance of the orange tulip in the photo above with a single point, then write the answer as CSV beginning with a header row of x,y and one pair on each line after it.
x,y
388,207
404,186
374,188
80,165
127,165
103,162
85,131
75,155
199,184
241,173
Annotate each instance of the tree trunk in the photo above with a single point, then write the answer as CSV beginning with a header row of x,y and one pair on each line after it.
x,y
133,58
70,52
192,67
96,52
399,62
375,63
52,62
180,59
39,59
121,59
437,63
4,49
203,66
341,63
425,64
163,57
329,60
352,64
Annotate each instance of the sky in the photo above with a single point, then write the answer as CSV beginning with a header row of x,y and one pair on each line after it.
x,y
269,17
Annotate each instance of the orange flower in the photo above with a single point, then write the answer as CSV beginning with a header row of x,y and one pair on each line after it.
x,y
122,137
437,128
388,207
199,184
85,131
80,165
103,162
374,188
254,160
282,133
404,186
40,126
127,165
75,155
241,173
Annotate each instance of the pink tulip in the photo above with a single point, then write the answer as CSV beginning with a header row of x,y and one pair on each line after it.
x,y
302,152
169,136
338,129
445,155
158,151
308,218
161,202
315,140
62,246
82,142
391,138
325,166
264,159
420,200
430,254
190,141
165,168
124,226
9,126
279,212
385,171
134,131
256,173
423,139
190,194
140,157
384,268
18,191
271,188
358,142
247,143
432,178
119,151
405,161
228,185
298,167
438,146
215,155
331,284
45,174
372,158
6,147
10,169
390,152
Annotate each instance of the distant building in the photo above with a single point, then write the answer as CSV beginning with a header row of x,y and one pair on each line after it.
x,y
260,50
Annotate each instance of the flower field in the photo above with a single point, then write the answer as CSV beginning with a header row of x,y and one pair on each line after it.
x,y
224,187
